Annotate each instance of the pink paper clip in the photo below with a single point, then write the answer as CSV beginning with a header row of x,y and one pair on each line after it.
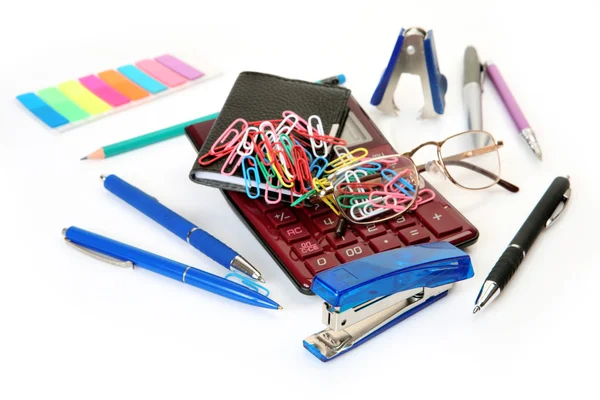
x,y
224,142
267,197
244,148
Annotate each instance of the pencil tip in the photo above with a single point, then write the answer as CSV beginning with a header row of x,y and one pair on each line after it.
x,y
84,158
280,308
477,308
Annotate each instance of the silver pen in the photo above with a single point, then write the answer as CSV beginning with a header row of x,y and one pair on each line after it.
x,y
472,89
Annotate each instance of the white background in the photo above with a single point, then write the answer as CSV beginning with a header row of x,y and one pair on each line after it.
x,y
74,328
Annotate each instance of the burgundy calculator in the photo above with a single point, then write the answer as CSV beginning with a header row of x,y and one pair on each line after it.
x,y
303,242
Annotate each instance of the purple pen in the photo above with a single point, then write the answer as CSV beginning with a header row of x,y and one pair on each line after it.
x,y
513,108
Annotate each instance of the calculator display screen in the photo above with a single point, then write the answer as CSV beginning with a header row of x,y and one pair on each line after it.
x,y
355,133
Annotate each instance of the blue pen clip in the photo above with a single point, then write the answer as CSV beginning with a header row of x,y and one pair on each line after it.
x,y
249,283
363,298
414,53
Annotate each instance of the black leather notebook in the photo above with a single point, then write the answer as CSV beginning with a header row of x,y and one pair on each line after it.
x,y
257,97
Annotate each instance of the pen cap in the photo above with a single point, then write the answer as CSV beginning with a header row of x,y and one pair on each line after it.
x,y
472,72
542,212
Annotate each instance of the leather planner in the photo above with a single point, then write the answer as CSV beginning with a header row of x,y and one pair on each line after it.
x,y
258,97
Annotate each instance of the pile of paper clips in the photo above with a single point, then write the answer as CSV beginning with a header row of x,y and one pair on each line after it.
x,y
292,156
283,156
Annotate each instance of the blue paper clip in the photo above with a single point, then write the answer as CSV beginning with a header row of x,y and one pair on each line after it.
x,y
414,53
363,298
319,169
247,172
389,175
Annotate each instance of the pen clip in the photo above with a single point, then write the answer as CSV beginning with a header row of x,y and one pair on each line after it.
x,y
232,276
560,208
102,257
482,74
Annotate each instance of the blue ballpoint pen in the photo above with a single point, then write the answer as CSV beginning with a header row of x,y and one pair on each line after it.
x,y
124,255
181,227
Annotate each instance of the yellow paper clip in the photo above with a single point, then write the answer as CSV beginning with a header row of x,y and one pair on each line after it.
x,y
345,158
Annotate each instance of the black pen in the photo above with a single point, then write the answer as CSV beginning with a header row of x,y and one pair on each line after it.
x,y
543,215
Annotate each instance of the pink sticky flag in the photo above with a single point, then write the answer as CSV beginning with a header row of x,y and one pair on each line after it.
x,y
180,67
161,73
98,87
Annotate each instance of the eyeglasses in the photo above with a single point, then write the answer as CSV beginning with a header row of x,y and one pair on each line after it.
x,y
377,189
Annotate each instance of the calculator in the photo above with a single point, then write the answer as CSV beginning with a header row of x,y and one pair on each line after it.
x,y
303,241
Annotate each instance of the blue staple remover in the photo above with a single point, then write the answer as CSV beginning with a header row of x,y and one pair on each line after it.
x,y
365,297
414,53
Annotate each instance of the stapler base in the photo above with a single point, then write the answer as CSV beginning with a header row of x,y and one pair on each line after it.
x,y
342,336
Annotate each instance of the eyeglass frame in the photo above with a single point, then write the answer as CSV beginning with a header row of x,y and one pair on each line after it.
x,y
470,153
495,145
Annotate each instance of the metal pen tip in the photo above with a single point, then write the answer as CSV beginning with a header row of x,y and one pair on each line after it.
x,y
477,308
64,232
102,177
261,279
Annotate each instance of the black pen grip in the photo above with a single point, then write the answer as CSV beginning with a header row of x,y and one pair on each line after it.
x,y
506,266
541,213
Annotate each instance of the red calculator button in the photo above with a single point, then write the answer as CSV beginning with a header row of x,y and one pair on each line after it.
x,y
414,234
316,209
281,217
385,242
438,219
321,263
370,230
401,222
307,248
264,207
293,233
326,223
354,252
341,241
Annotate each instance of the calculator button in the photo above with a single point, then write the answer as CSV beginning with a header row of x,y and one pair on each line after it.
x,y
307,248
354,252
264,207
316,209
321,263
370,230
341,241
293,233
281,217
385,242
438,219
401,222
326,223
413,235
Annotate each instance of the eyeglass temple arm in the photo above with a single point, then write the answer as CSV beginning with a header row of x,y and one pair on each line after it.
x,y
501,182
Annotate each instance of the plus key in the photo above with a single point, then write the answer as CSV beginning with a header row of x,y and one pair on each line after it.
x,y
438,219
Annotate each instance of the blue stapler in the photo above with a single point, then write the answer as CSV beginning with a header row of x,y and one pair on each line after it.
x,y
365,297
414,53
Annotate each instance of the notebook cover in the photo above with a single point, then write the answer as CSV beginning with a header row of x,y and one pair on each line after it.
x,y
256,96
